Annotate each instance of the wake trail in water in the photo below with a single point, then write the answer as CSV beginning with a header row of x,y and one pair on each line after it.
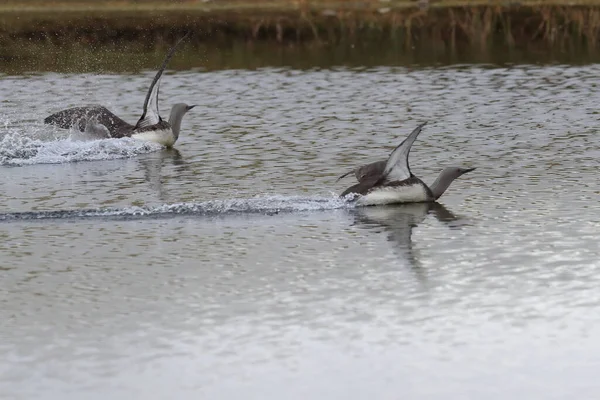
x,y
267,205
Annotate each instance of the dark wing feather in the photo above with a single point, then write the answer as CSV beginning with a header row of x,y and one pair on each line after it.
x,y
371,171
362,187
346,174
152,116
366,171
78,117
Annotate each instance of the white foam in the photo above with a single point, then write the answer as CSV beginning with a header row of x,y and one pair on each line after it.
x,y
262,203
18,149
258,204
272,204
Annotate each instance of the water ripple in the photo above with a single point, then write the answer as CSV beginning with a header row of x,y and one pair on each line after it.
x,y
121,302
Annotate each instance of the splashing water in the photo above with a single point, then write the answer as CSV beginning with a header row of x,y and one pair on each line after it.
x,y
17,149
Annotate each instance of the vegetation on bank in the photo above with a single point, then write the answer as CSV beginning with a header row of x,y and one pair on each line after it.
x,y
477,22
240,5
438,26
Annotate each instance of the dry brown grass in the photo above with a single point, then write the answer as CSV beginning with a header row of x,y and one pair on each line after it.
x,y
450,23
55,6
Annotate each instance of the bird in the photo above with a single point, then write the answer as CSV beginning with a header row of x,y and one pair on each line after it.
x,y
391,181
98,122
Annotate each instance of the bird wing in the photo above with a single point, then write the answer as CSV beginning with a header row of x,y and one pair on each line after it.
x,y
366,171
94,129
361,187
346,174
370,171
396,167
79,116
151,115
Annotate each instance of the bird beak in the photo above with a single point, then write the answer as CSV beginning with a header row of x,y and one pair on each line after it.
x,y
464,171
190,107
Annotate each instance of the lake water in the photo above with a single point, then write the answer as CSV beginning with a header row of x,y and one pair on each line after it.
x,y
227,268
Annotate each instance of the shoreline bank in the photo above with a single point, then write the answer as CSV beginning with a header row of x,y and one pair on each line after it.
x,y
407,23
234,34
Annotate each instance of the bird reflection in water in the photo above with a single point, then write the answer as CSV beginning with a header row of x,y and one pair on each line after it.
x,y
398,222
152,165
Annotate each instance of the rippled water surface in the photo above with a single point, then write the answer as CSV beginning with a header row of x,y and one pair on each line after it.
x,y
227,268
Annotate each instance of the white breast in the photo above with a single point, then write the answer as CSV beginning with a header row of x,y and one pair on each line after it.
x,y
164,137
394,194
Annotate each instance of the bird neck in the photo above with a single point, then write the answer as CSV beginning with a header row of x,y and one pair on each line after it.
x,y
442,183
175,121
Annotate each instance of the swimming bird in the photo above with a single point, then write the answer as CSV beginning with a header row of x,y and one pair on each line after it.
x,y
391,181
99,122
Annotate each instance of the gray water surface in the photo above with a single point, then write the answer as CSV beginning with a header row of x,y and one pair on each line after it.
x,y
227,268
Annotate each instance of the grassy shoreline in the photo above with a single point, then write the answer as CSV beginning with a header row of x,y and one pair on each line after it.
x,y
263,5
443,27
473,21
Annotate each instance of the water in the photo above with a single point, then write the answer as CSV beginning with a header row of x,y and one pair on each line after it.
x,y
228,268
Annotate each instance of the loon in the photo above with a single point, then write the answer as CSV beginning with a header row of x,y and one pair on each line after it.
x,y
391,181
98,121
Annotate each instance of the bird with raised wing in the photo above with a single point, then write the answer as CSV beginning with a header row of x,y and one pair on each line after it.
x,y
99,122
391,181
